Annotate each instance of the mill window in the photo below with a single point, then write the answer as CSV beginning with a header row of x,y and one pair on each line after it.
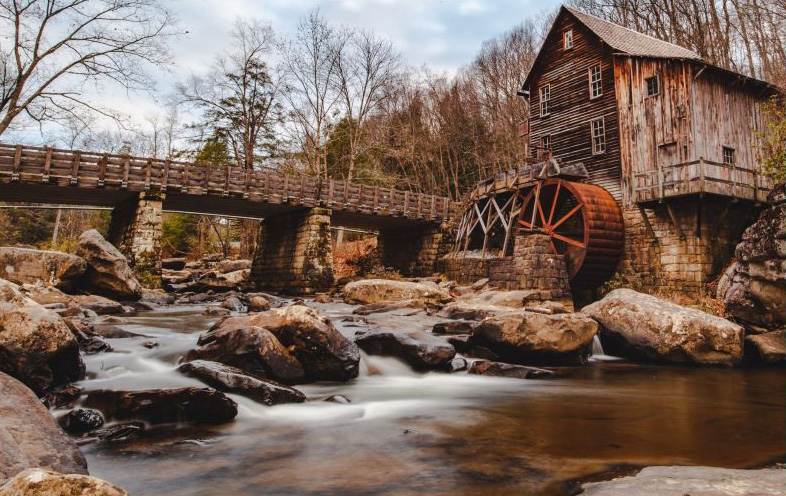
x,y
598,131
596,87
728,155
653,85
545,143
567,39
545,97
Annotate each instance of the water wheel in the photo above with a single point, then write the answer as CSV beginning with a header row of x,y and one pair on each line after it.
x,y
584,223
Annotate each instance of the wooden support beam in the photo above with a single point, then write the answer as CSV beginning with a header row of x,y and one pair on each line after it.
x,y
165,178
148,172
102,170
17,163
126,168
75,169
674,220
47,165
721,219
648,225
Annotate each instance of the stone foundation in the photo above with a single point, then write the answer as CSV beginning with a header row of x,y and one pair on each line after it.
x,y
136,229
533,266
294,253
413,252
683,266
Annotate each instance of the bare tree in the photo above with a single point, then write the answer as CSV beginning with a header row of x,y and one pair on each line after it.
x,y
50,49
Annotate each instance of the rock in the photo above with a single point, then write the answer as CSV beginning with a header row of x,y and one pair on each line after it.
x,y
157,296
420,355
458,364
48,268
322,298
497,369
480,284
258,304
233,380
378,290
81,420
338,398
324,353
468,310
225,266
698,481
233,304
98,304
252,349
512,299
40,482
170,277
389,306
529,337
460,342
177,263
766,348
107,269
211,258
223,282
36,345
45,295
119,432
453,327
150,345
637,325
29,435
62,397
89,342
216,311
189,404
753,288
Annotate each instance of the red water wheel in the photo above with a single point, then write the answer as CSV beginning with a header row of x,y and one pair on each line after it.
x,y
584,224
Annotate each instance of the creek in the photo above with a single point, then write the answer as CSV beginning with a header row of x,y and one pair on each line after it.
x,y
432,433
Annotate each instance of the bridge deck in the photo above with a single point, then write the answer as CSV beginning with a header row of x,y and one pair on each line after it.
x,y
49,175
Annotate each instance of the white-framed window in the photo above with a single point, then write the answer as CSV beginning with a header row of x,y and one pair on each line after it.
x,y
728,155
567,39
653,85
598,132
545,143
545,100
595,83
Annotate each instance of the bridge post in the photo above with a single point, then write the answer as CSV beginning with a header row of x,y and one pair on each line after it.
x,y
294,253
136,229
413,252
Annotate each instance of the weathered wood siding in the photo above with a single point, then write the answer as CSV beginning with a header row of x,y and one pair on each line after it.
x,y
567,71
672,143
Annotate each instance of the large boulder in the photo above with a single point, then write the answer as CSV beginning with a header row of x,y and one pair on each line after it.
x,y
188,404
29,435
177,263
222,282
753,287
40,482
233,380
769,347
420,352
108,271
378,290
529,337
252,349
49,268
226,266
698,481
638,325
45,295
99,304
36,346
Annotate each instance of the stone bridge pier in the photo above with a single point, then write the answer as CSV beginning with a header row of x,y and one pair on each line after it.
x,y
413,252
294,253
136,229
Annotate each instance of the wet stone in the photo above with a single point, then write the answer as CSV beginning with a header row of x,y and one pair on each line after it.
x,y
81,420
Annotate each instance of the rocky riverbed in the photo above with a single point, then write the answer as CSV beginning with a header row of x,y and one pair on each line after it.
x,y
381,387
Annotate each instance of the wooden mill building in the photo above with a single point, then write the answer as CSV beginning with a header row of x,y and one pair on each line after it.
x,y
644,162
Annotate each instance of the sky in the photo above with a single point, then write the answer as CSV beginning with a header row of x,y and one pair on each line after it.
x,y
440,35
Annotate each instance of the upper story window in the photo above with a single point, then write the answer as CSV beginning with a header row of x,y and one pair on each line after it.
x,y
595,84
653,85
598,131
545,143
545,100
728,155
567,39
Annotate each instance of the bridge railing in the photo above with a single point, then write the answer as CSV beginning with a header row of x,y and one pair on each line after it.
x,y
75,168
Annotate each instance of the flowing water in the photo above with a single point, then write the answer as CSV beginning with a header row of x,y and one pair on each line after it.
x,y
454,434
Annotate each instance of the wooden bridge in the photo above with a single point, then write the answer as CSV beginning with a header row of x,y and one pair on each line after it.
x,y
50,175
294,249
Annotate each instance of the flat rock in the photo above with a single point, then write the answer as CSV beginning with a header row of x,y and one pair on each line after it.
x,y
769,347
40,482
497,369
378,290
29,435
225,266
637,325
389,306
45,295
233,380
175,263
107,271
188,404
694,481
425,354
453,327
48,268
36,345
99,304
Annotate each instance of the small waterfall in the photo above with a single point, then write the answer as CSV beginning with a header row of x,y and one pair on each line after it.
x,y
597,348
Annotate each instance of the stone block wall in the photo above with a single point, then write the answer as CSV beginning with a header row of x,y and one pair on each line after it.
x,y
136,228
294,253
413,253
683,266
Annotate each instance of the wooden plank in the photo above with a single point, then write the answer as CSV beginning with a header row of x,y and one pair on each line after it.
x,y
126,168
226,182
205,178
47,165
406,204
17,162
184,180
75,168
165,178
376,200
102,170
247,184
331,192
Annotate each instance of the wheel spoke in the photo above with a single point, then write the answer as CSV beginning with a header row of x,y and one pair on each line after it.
x,y
554,203
525,223
567,216
570,241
